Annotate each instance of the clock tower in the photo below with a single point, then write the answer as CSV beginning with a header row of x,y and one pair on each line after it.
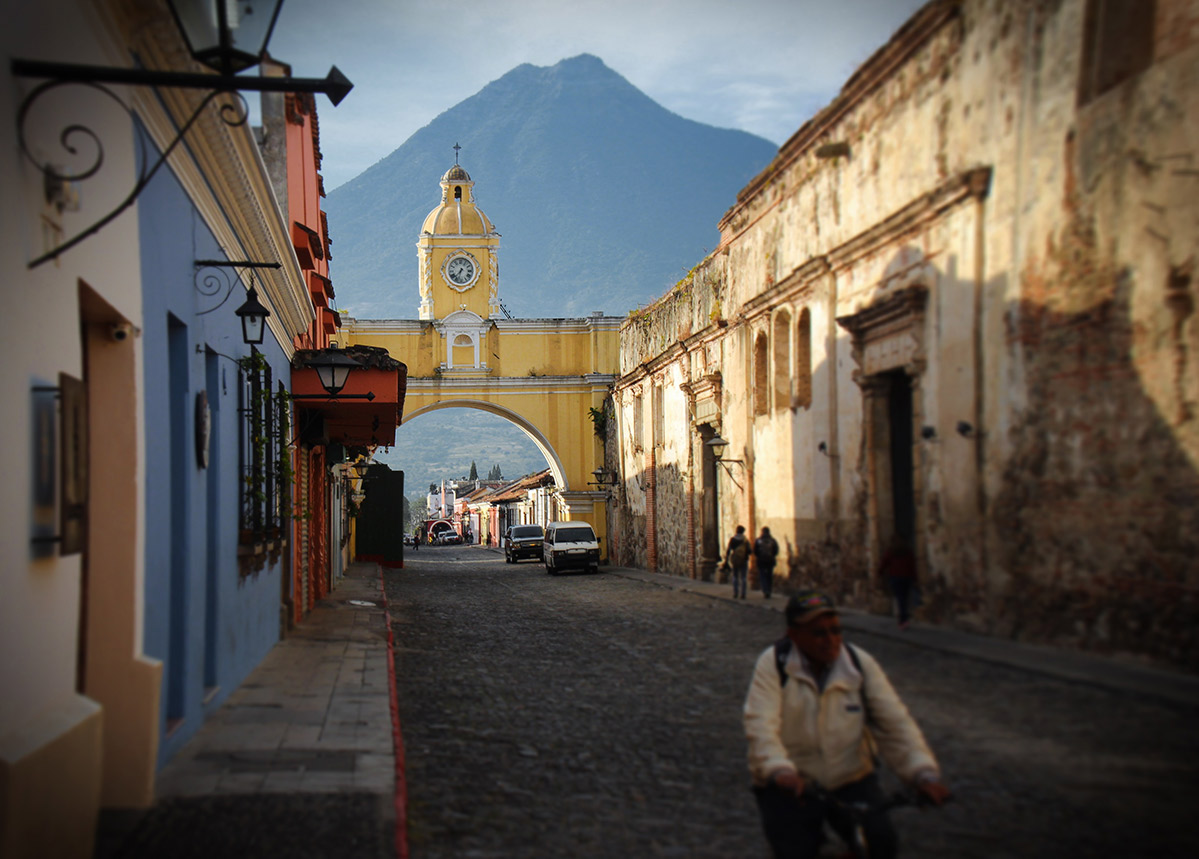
x,y
459,271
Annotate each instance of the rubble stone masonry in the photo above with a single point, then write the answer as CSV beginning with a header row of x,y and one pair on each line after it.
x,y
959,304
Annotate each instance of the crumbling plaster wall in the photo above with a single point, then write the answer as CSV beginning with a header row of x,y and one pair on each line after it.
x,y
1058,324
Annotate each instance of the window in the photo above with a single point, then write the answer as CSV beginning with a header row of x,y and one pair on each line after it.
x,y
1117,44
761,375
803,360
782,360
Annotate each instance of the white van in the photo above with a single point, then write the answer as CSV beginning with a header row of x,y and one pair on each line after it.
x,y
570,545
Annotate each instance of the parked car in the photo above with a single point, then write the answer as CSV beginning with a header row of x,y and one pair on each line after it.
x,y
570,545
524,541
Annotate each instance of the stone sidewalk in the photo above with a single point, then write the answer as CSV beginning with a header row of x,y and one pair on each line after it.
x,y
300,757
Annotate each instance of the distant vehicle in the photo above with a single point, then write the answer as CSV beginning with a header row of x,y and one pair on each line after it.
x,y
448,538
570,545
524,541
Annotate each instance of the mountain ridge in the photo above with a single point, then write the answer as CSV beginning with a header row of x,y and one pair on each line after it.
x,y
604,197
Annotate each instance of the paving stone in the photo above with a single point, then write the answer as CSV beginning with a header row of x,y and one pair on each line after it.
x,y
630,695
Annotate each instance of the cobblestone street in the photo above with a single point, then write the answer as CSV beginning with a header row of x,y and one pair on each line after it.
x,y
599,715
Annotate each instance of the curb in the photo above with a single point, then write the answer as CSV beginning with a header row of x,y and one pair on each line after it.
x,y
397,737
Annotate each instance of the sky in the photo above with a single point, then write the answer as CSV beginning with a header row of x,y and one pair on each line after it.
x,y
763,66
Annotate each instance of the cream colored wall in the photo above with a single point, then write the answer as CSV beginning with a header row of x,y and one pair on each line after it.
x,y
50,736
973,173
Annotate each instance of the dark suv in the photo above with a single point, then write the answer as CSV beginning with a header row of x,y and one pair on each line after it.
x,y
524,541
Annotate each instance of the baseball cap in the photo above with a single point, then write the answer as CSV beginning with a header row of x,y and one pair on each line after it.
x,y
808,605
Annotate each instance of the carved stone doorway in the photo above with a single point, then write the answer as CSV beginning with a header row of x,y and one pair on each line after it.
x,y
888,348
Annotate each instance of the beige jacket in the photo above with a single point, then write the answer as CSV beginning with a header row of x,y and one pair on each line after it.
x,y
821,734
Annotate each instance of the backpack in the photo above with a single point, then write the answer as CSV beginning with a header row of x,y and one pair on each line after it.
x,y
782,650
740,553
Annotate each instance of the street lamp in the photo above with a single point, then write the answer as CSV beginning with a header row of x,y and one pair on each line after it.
x,y
253,316
333,369
602,477
718,445
224,35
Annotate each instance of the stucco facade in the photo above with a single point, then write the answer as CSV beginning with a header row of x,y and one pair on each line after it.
x,y
956,306
143,535
543,375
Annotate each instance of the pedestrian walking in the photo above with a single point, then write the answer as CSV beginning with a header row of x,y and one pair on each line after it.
x,y
766,552
817,711
736,558
898,570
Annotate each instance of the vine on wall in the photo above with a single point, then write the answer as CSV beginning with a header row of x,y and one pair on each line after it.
x,y
267,472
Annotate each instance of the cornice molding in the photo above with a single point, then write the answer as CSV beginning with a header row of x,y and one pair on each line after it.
x,y
973,184
221,170
912,36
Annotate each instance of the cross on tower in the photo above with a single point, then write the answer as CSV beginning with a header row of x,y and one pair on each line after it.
x,y
456,148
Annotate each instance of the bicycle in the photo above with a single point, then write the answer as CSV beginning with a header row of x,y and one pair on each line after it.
x,y
854,818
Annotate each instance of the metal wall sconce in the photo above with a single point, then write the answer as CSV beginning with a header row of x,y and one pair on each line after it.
x,y
253,316
225,36
333,370
823,448
718,445
966,430
928,433
602,478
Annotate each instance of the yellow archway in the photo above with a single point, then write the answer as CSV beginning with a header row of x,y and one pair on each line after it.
x,y
543,445
546,376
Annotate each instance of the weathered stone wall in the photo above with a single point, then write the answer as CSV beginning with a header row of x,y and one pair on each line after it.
x,y
995,217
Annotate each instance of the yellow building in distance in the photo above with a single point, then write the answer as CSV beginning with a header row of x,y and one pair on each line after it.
x,y
463,351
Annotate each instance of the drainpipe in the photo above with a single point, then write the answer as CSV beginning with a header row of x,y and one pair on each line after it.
x,y
980,181
833,532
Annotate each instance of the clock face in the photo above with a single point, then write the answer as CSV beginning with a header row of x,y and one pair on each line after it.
x,y
460,271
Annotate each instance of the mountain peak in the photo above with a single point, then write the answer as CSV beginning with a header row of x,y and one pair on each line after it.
x,y
582,61
606,198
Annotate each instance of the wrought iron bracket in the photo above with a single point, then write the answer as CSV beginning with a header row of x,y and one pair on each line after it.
x,y
369,395
212,283
56,75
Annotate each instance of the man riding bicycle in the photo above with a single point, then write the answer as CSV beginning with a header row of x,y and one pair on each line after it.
x,y
819,711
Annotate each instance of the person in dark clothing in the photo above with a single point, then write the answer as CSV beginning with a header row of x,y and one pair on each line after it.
x,y
736,557
898,568
766,552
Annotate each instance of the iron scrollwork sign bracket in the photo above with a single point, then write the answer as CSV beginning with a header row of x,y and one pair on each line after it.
x,y
73,135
